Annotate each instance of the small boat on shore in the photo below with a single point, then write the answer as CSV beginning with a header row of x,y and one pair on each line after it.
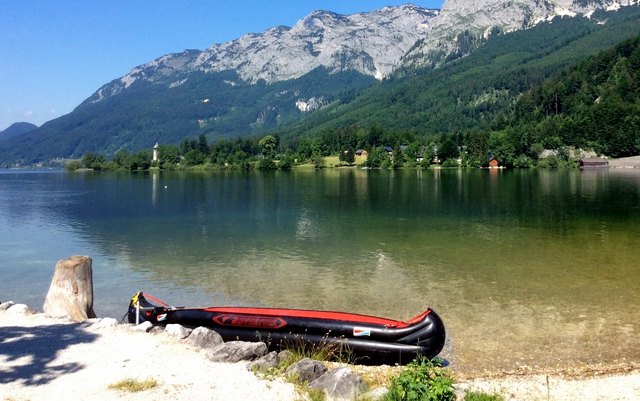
x,y
363,339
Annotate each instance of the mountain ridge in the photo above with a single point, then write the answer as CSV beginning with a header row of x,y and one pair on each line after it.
x,y
321,39
17,129
208,92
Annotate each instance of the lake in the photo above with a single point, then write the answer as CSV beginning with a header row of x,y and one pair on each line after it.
x,y
529,269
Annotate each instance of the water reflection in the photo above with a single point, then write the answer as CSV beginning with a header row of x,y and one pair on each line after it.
x,y
526,267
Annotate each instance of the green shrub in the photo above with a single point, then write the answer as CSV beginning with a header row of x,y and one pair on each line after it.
x,y
523,161
73,165
286,162
549,162
423,379
450,163
267,163
317,160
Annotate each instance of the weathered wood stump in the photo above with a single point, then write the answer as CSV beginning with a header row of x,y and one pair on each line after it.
x,y
71,290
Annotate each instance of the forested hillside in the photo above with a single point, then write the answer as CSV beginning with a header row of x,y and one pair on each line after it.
x,y
17,129
133,122
594,105
480,89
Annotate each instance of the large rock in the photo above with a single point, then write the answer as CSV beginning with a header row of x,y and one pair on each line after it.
x,y
71,291
236,351
340,384
271,360
203,337
157,330
145,327
268,361
6,305
178,331
376,394
306,370
18,309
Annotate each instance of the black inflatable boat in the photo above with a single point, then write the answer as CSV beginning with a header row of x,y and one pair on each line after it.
x,y
364,339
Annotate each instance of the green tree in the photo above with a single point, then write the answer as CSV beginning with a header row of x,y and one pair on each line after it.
x,y
240,159
93,161
267,163
413,150
268,145
376,157
430,153
203,146
347,156
374,139
141,160
317,159
168,155
397,158
122,158
188,144
286,161
447,149
73,165
89,159
194,158
477,143
501,147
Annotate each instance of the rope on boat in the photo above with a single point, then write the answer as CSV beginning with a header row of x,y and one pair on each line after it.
x,y
135,300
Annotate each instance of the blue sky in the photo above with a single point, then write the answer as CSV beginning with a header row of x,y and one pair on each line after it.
x,y
55,54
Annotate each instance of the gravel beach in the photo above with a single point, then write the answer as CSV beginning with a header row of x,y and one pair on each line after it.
x,y
43,358
46,359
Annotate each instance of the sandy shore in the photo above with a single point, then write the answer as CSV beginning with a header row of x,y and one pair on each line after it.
x,y
47,359
42,358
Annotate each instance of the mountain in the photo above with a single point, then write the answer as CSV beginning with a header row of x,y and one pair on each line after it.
x,y
369,43
284,77
472,92
17,129
462,24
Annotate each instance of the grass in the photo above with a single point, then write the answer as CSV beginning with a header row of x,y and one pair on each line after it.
x,y
422,379
299,349
134,385
480,396
331,161
334,161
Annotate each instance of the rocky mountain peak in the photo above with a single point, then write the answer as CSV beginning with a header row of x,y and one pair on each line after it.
x,y
373,43
462,21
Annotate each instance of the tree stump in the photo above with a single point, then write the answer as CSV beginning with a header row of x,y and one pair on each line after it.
x,y
71,290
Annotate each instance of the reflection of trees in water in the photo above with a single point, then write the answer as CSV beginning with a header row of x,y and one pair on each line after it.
x,y
511,260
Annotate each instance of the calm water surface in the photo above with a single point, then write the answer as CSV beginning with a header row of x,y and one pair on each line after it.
x,y
529,269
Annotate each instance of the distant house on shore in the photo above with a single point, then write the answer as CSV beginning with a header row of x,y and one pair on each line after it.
x,y
494,163
362,152
594,163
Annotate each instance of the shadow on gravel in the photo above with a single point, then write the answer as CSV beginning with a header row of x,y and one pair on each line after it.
x,y
39,347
